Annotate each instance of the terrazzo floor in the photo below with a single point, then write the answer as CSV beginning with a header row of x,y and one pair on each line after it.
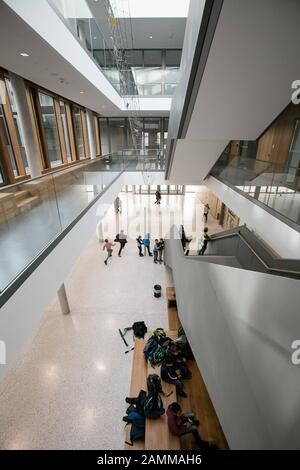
x,y
67,388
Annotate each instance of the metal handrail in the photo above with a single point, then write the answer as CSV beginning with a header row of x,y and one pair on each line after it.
x,y
269,268
50,173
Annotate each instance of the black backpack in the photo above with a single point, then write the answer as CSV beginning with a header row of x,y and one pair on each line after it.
x,y
154,384
153,407
139,329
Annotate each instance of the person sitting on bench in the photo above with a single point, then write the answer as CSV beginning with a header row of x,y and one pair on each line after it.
x,y
179,361
170,373
181,424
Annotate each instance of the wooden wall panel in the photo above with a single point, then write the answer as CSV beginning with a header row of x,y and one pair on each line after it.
x,y
275,144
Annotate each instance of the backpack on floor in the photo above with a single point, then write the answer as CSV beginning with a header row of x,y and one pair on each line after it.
x,y
153,407
139,329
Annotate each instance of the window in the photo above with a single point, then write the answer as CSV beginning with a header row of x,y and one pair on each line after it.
x,y
78,132
104,136
6,142
13,158
50,128
64,120
17,124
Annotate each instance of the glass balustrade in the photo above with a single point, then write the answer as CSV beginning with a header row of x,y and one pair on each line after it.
x,y
274,185
34,213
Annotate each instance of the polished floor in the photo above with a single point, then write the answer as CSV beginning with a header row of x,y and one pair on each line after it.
x,y
67,388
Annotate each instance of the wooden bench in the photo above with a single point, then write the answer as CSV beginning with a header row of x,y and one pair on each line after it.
x,y
174,322
138,382
158,436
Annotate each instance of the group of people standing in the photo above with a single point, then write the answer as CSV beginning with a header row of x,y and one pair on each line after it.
x,y
158,247
145,242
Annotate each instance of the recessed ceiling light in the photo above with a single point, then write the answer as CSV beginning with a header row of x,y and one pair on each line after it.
x,y
81,92
24,54
151,37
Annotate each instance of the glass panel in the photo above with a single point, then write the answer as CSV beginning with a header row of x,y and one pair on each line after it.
x,y
152,133
104,136
50,126
7,141
78,132
66,130
134,58
17,125
152,58
294,154
173,58
63,196
117,134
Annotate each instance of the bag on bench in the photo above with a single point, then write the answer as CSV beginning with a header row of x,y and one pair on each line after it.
x,y
153,407
154,352
137,431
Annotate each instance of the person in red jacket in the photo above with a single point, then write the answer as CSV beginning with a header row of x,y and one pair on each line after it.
x,y
184,423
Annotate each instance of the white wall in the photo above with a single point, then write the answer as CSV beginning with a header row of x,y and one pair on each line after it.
x,y
282,238
241,325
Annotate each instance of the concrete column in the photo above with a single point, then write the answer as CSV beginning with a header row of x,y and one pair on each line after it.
x,y
91,133
26,131
63,300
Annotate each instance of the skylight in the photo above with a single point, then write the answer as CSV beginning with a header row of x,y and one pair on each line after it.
x,y
150,8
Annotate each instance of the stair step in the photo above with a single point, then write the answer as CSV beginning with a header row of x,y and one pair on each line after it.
x,y
28,202
21,194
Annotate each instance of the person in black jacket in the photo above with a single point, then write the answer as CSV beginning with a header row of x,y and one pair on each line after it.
x,y
122,239
161,246
171,374
140,243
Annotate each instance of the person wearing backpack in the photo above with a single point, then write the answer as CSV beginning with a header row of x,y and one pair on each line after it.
x,y
171,374
181,424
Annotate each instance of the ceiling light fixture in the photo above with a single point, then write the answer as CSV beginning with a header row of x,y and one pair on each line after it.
x,y
81,92
151,37
24,54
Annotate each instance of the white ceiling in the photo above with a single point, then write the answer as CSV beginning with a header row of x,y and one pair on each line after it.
x,y
167,33
46,67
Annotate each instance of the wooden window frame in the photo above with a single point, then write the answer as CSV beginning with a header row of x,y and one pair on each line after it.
x,y
13,136
97,134
86,144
